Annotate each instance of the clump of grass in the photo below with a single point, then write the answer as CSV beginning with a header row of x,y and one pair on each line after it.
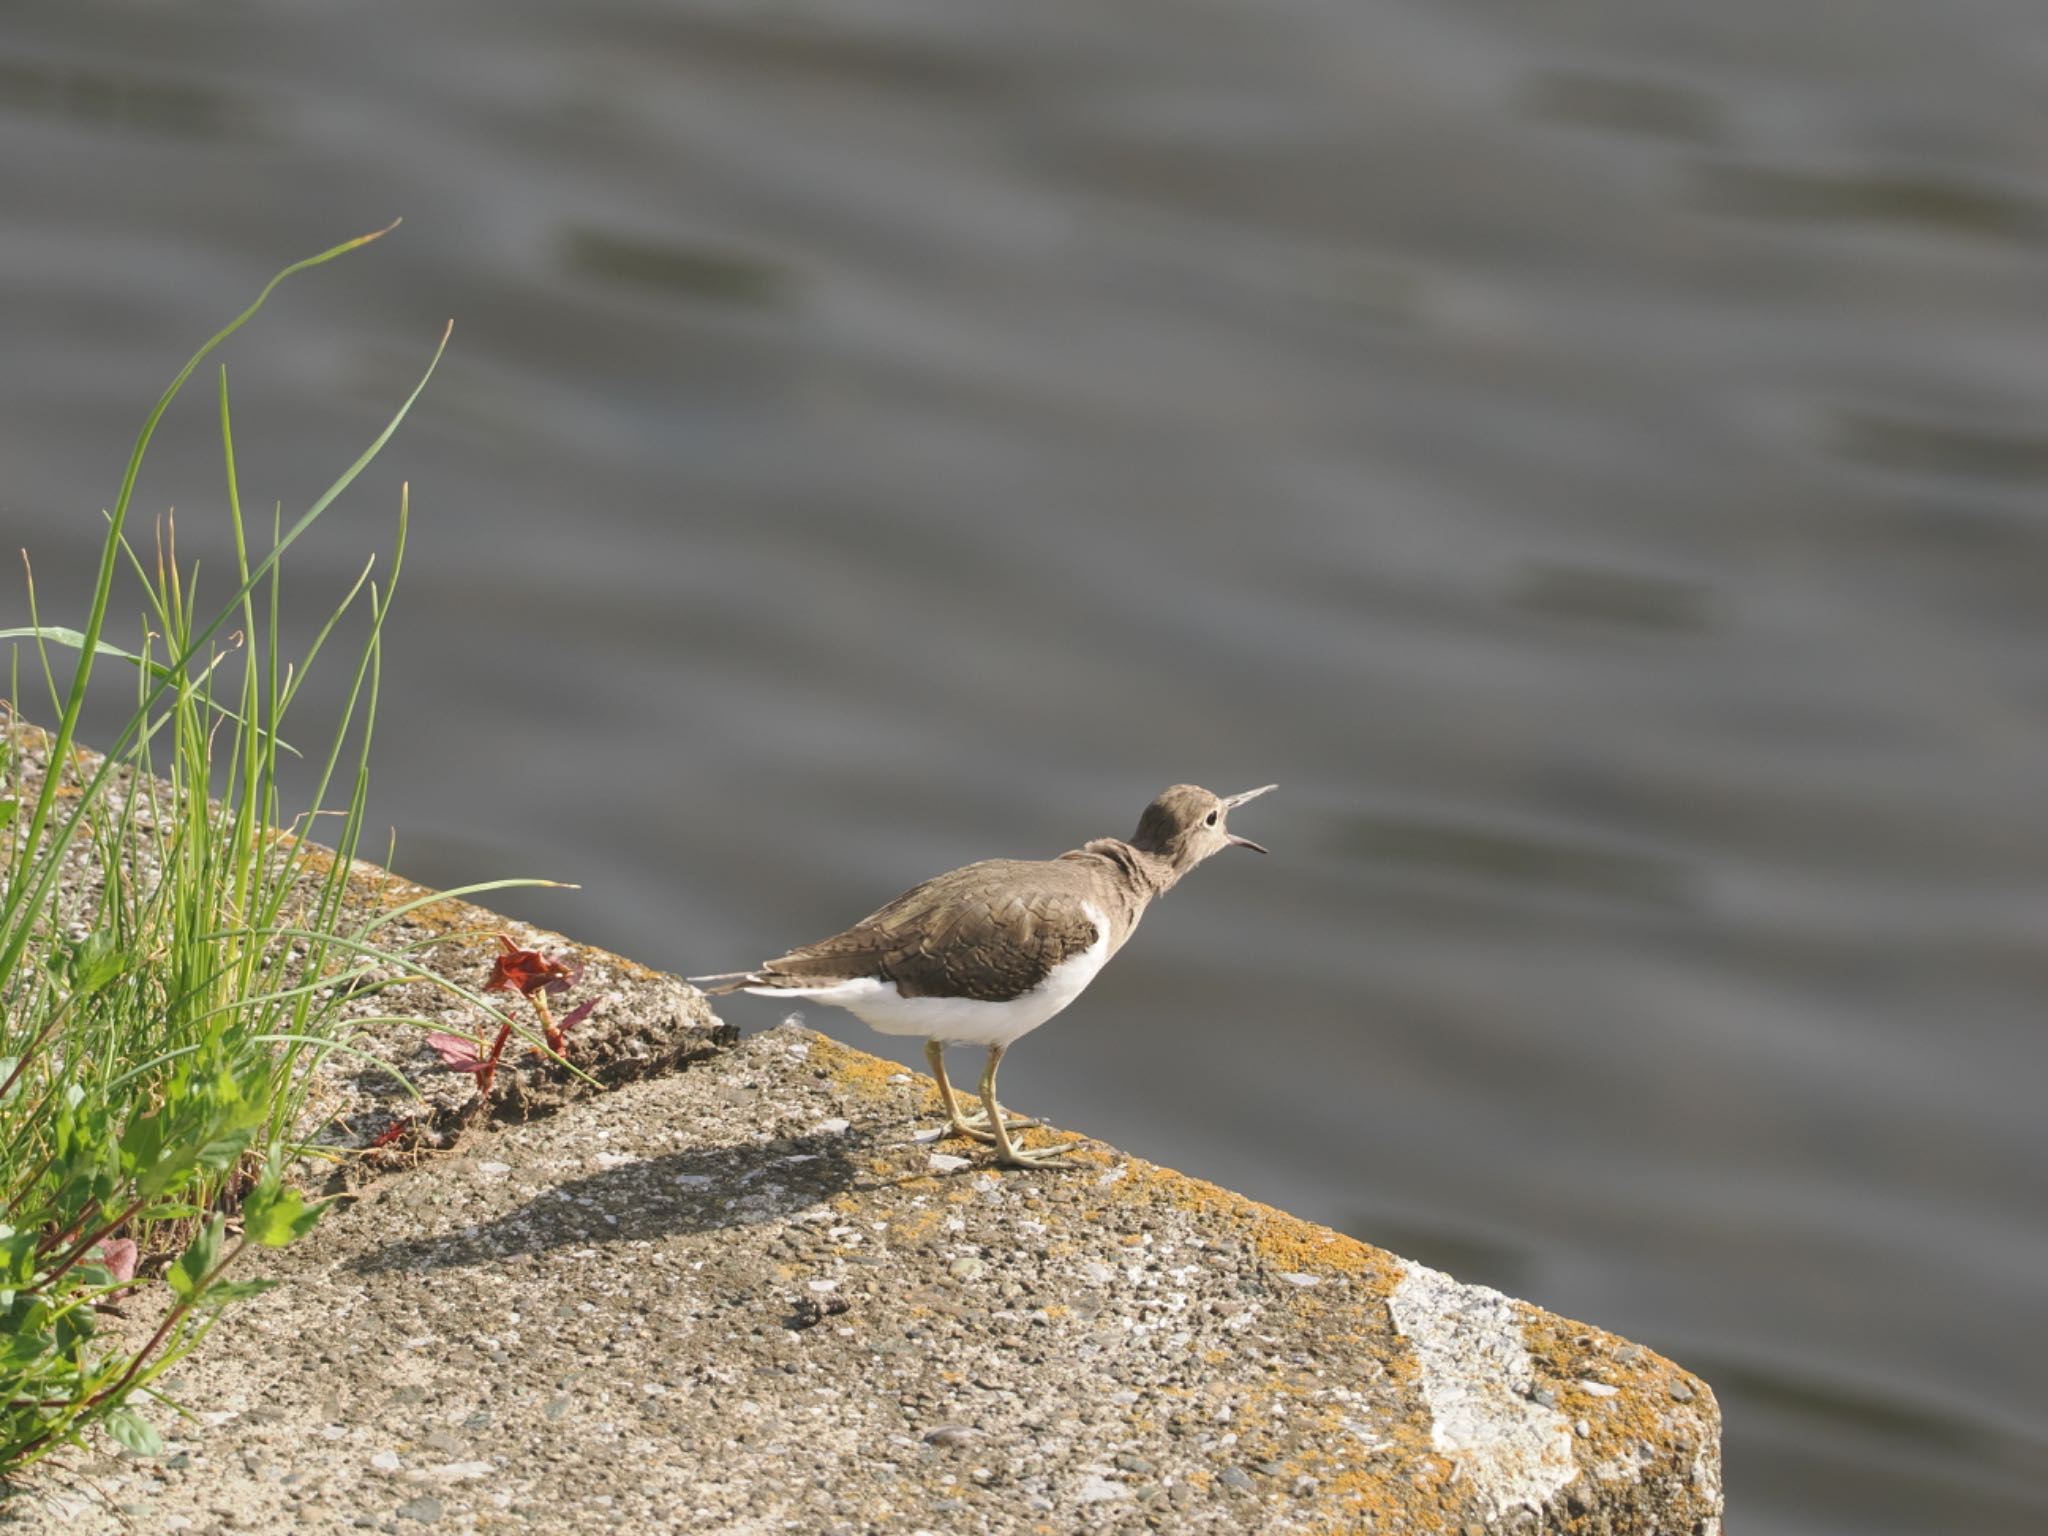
x,y
175,957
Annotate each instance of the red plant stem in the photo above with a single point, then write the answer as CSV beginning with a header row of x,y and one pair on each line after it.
x,y
57,1237
28,1052
142,1355
489,1074
84,1246
29,1182
33,1179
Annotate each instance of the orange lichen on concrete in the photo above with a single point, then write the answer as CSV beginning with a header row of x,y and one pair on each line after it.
x,y
1659,1415
871,1076
1326,1395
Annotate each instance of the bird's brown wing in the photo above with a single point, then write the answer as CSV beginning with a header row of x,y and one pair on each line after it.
x,y
988,931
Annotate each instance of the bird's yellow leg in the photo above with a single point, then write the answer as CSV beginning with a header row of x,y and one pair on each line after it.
x,y
1006,1151
975,1125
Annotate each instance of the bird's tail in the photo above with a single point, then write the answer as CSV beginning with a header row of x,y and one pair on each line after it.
x,y
730,981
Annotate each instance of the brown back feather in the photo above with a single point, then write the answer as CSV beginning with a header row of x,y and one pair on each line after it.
x,y
986,931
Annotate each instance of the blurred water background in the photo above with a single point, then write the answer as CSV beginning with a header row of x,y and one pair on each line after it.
x,y
1594,456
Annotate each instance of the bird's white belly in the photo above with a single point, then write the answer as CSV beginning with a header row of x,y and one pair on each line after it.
x,y
961,1020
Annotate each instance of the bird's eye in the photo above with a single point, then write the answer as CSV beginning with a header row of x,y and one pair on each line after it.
x,y
1210,820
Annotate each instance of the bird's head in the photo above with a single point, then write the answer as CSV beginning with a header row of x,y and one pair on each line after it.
x,y
1187,823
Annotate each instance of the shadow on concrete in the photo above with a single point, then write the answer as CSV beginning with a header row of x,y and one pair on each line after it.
x,y
704,1189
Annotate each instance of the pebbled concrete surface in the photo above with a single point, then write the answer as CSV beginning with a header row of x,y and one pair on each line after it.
x,y
760,1296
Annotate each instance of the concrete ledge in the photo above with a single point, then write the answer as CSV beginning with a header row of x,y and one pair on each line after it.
x,y
754,1297
749,1290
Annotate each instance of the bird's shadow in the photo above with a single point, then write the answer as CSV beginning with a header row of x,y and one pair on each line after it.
x,y
703,1189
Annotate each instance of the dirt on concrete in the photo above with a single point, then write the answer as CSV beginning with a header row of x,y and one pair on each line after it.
x,y
392,1099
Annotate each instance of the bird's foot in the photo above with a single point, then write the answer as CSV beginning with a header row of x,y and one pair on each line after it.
x,y
977,1125
1036,1157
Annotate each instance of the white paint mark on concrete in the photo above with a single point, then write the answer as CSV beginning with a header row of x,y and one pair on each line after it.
x,y
1476,1378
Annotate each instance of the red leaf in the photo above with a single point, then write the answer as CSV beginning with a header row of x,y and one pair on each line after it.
x,y
527,971
576,1015
458,1053
119,1254
388,1135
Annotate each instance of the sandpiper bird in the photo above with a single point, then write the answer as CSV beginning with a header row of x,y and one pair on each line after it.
x,y
984,954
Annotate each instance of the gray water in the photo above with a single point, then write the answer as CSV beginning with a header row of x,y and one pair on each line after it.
x,y
1593,456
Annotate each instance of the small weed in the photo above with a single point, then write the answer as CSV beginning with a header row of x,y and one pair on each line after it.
x,y
175,957
534,975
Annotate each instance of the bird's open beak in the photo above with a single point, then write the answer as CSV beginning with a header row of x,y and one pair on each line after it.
x,y
1232,802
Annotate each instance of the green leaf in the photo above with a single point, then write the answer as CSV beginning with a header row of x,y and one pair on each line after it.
x,y
142,1143
59,635
21,1349
18,1257
196,1262
276,1214
8,808
74,1327
132,1430
220,1153
95,961
221,1292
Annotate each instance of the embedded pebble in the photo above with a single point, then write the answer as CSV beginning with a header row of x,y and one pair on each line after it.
x,y
459,1471
1097,1489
